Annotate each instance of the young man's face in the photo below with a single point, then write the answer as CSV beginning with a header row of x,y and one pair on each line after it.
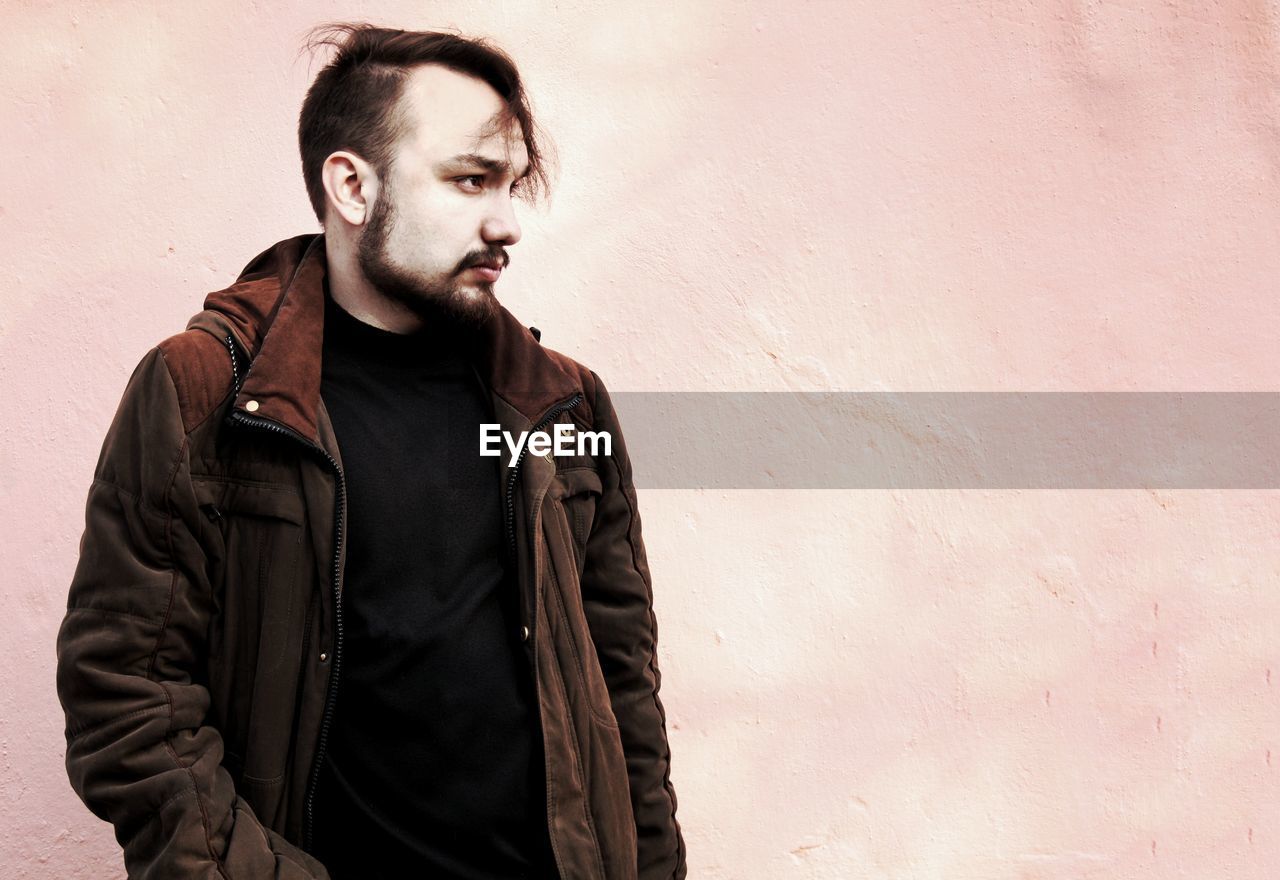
x,y
437,232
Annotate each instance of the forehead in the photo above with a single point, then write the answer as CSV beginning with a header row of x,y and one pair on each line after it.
x,y
447,113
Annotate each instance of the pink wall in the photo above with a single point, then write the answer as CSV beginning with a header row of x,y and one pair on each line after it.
x,y
818,196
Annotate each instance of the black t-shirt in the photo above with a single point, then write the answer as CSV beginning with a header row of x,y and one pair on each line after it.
x,y
434,766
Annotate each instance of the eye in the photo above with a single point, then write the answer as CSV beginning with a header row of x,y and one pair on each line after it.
x,y
471,182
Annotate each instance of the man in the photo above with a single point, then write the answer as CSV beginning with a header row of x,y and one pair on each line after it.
x,y
314,631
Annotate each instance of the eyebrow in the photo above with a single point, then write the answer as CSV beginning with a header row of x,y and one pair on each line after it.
x,y
492,166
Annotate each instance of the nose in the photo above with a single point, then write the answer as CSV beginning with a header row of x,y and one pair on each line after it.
x,y
500,225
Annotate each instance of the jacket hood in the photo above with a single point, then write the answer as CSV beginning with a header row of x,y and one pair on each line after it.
x,y
275,313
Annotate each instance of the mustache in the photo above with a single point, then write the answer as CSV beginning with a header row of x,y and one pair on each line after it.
x,y
486,257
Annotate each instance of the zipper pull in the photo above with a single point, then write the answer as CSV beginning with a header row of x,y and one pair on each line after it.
x,y
212,512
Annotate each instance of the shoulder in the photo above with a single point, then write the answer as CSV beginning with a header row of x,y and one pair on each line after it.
x,y
595,397
584,377
597,411
201,367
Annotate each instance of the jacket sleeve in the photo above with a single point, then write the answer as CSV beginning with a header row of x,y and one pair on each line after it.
x,y
617,595
131,662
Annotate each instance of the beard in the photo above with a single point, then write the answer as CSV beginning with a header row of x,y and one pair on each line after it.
x,y
434,298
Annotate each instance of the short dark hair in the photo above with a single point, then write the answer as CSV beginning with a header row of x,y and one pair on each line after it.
x,y
354,102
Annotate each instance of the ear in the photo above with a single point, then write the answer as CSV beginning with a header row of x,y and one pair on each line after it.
x,y
350,186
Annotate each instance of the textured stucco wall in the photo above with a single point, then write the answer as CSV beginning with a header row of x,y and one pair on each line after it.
x,y
812,196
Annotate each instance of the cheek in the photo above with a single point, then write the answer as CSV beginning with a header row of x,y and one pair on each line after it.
x,y
415,239
438,231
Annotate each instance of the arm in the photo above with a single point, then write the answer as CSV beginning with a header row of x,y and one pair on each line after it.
x,y
130,654
617,596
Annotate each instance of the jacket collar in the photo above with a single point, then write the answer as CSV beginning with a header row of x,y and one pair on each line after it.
x,y
275,312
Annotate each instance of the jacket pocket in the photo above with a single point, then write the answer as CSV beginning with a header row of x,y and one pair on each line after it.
x,y
253,499
256,631
255,574
576,491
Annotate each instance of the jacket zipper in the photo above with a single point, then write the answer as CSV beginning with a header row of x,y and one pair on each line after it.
x,y
240,418
556,410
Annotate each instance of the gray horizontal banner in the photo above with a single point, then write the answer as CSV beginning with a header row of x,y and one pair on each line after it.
x,y
952,440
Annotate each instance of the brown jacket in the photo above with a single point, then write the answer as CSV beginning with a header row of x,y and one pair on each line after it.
x,y
199,657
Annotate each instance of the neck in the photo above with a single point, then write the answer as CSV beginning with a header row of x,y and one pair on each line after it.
x,y
359,298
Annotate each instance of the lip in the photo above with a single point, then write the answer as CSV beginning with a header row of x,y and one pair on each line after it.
x,y
486,273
